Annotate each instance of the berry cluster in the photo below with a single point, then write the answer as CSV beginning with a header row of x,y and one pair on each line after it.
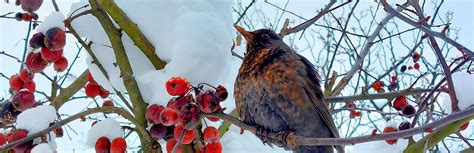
x,y
103,145
51,45
352,107
401,104
177,121
416,57
93,89
378,86
26,16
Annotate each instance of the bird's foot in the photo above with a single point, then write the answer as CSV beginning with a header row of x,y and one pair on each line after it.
x,y
287,138
262,134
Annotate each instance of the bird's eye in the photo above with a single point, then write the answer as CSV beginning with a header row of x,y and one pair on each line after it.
x,y
265,36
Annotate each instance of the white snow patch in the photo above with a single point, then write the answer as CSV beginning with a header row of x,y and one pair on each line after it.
x,y
231,142
55,19
464,87
380,146
109,128
36,119
392,123
42,148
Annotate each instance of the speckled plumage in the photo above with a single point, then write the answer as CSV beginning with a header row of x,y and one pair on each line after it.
x,y
279,90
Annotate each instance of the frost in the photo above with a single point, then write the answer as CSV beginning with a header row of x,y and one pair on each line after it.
x,y
392,123
380,146
108,128
42,148
55,19
464,87
36,119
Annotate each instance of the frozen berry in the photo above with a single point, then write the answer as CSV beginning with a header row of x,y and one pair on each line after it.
x,y
3,139
23,100
51,56
31,86
464,126
104,93
416,56
170,145
178,102
409,110
153,113
34,16
207,101
158,131
16,83
403,68
37,40
213,148
119,145
393,86
27,17
354,114
102,145
416,66
59,132
55,39
90,78
61,64
404,126
35,62
16,135
92,90
108,103
189,115
19,16
211,134
388,130
31,5
221,93
400,103
188,134
377,85
169,116
393,78
26,75
177,86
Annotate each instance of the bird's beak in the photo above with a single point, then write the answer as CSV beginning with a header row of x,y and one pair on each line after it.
x,y
247,35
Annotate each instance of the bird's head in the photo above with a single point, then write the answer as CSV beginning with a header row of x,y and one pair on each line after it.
x,y
259,39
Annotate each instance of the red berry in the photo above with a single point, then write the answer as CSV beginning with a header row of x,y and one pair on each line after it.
x,y
92,90
213,119
416,56
3,139
170,145
404,126
37,40
102,145
26,75
377,85
27,17
177,86
35,62
400,103
409,110
61,64
188,134
387,130
178,102
189,116
90,79
350,105
394,78
108,103
16,135
31,5
464,126
23,100
213,148
208,102
153,113
16,83
416,66
158,131
55,39
59,132
104,93
221,93
169,116
211,134
51,56
31,86
119,145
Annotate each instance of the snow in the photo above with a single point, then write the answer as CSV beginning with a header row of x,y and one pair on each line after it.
x,y
55,19
109,128
464,87
36,119
379,146
42,148
392,123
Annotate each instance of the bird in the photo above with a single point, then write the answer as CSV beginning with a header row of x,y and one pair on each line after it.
x,y
277,90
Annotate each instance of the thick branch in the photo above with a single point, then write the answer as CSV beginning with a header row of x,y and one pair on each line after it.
x,y
70,91
387,95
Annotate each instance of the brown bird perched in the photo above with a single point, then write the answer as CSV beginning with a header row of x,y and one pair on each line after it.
x,y
278,90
